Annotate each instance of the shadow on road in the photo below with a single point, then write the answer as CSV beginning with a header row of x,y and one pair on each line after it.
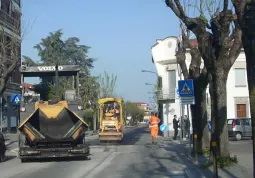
x,y
9,157
130,137
57,159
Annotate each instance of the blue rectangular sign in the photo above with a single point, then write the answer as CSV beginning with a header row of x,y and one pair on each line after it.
x,y
186,88
16,99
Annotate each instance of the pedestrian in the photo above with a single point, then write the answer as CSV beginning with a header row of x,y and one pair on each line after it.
x,y
175,126
182,126
153,124
187,126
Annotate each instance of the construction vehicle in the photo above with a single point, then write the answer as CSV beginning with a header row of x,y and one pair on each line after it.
x,y
111,122
52,128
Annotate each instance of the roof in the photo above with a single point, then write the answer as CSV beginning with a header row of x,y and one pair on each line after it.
x,y
193,43
106,100
28,87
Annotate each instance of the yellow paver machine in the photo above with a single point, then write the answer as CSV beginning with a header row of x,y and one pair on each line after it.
x,y
111,119
52,128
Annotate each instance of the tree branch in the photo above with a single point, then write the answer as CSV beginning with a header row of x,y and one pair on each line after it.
x,y
236,46
239,6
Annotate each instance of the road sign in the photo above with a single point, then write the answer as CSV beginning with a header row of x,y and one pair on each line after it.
x,y
209,123
186,88
186,92
163,128
16,99
187,100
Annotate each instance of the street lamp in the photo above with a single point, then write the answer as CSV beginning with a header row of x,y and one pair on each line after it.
x,y
149,72
150,84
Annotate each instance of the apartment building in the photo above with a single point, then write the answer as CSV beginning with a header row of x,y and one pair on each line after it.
x,y
10,24
163,55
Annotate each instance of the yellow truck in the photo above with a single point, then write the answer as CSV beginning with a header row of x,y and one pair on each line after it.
x,y
53,128
111,119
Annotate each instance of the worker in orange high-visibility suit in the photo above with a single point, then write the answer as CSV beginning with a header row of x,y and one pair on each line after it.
x,y
153,124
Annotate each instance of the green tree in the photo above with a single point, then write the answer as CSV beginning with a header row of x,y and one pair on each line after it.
x,y
219,47
107,85
136,113
53,50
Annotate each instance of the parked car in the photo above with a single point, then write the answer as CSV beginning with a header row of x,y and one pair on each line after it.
x,y
2,147
239,128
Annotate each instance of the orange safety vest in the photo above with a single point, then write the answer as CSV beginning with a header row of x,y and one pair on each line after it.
x,y
154,121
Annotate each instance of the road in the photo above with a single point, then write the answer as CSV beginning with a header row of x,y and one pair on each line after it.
x,y
243,150
136,157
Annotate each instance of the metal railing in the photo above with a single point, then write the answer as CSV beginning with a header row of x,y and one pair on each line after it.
x,y
9,22
13,86
166,94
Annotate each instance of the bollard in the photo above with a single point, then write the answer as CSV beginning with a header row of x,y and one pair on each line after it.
x,y
214,152
195,146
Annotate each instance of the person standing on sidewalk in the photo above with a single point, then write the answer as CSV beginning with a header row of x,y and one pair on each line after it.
x,y
187,126
175,125
153,124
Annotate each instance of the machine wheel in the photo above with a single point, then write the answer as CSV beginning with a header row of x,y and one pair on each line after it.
x,y
23,160
238,136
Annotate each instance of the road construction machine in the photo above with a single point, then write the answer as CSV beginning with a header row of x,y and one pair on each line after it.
x,y
56,127
111,119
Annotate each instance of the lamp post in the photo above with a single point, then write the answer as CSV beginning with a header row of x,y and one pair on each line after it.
x,y
149,72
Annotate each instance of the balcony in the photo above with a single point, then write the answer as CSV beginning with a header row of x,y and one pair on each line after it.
x,y
9,22
17,1
13,86
167,94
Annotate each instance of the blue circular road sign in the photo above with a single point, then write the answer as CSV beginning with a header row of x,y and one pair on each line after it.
x,y
163,128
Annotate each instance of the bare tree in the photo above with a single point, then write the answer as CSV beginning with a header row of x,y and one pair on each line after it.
x,y
10,45
107,85
219,47
200,79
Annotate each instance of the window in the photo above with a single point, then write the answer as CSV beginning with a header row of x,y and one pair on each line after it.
x,y
246,122
240,77
172,79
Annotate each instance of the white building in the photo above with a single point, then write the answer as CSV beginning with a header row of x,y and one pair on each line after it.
x,y
163,54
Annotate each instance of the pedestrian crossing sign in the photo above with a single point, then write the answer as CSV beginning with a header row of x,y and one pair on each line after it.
x,y
16,99
186,88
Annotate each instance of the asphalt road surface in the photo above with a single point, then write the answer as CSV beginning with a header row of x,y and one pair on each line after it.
x,y
243,150
135,157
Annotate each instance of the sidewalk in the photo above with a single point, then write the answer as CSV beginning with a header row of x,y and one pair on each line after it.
x,y
182,147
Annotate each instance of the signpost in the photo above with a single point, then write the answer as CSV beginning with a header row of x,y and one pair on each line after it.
x,y
16,98
186,96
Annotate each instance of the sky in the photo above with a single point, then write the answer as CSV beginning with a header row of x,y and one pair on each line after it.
x,y
120,34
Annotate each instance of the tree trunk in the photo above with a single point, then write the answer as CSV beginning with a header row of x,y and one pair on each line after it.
x,y
219,110
250,63
199,113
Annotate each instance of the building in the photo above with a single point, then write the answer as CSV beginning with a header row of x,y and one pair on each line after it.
x,y
163,56
10,21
